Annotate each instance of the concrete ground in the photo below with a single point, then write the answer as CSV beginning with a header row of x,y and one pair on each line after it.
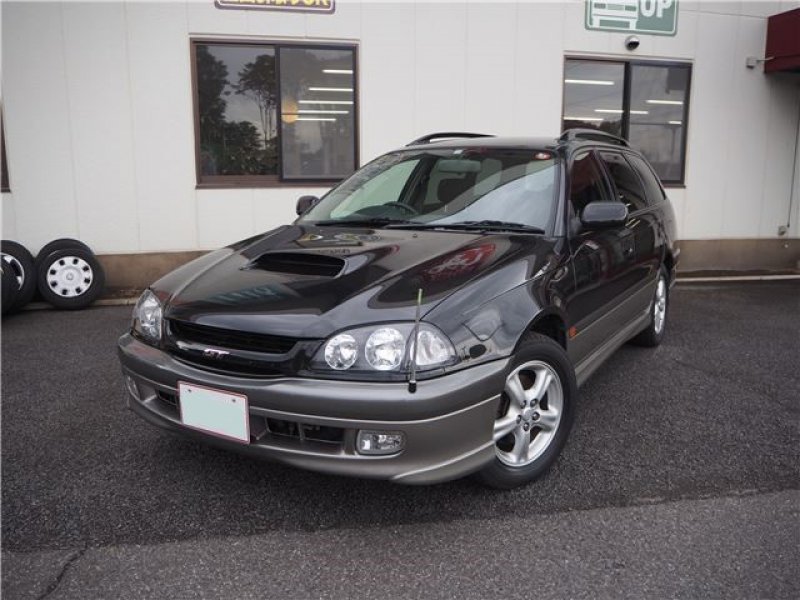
x,y
681,479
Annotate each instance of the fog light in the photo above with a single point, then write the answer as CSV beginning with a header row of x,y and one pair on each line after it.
x,y
131,385
380,442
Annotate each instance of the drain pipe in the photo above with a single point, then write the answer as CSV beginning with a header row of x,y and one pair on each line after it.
x,y
793,191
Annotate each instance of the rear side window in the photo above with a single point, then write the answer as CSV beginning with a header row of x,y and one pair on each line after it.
x,y
586,183
655,193
629,186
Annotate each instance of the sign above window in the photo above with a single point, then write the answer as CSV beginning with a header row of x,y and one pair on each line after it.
x,y
657,17
317,6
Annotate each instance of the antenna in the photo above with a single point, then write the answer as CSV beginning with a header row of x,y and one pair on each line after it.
x,y
412,379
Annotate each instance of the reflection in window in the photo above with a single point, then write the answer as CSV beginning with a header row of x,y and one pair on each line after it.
x,y
626,182
586,183
438,186
646,103
593,94
254,128
317,112
658,129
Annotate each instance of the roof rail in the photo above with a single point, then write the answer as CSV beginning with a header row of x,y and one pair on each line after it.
x,y
594,135
427,139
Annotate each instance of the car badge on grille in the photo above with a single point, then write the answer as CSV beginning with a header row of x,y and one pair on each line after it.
x,y
214,353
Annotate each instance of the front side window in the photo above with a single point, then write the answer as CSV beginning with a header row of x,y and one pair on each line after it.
x,y
645,103
586,183
267,113
448,187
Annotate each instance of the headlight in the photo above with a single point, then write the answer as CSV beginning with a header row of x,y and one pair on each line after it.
x,y
433,349
341,352
147,317
385,348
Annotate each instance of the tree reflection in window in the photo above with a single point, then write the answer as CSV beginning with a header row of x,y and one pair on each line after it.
x,y
237,113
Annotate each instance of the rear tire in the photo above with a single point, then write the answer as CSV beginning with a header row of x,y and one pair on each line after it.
x,y
657,325
70,279
19,261
535,415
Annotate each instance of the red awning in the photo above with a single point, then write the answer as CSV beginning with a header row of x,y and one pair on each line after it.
x,y
783,42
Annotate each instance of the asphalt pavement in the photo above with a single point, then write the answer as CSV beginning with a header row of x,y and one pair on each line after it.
x,y
681,478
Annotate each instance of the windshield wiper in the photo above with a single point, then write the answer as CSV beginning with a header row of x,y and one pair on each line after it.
x,y
485,225
369,222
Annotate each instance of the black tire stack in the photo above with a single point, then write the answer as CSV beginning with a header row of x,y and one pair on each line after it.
x,y
66,273
19,275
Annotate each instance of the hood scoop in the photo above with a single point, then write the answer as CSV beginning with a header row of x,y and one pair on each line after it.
x,y
299,263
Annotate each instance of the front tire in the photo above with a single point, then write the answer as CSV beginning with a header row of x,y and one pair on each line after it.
x,y
535,415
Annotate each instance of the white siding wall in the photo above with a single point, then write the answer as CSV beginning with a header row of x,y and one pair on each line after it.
x,y
99,127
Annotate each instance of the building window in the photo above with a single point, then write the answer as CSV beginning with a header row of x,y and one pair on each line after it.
x,y
272,113
645,103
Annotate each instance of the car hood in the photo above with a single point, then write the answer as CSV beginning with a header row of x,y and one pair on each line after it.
x,y
307,282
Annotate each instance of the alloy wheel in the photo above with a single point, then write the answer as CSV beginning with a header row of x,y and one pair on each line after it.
x,y
533,402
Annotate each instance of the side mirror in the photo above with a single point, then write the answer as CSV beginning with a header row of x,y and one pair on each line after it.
x,y
599,215
305,202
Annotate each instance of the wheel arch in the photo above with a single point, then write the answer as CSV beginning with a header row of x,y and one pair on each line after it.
x,y
549,322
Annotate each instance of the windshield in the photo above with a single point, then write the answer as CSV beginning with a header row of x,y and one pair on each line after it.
x,y
447,187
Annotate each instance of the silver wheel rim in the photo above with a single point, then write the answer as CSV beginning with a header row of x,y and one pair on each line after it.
x,y
69,276
16,268
535,400
660,305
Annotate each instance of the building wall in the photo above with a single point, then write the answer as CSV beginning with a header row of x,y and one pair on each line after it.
x,y
99,127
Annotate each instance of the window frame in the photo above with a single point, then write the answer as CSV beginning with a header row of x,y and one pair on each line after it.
x,y
628,64
277,180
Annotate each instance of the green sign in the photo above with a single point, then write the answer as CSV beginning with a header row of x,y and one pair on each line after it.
x,y
658,17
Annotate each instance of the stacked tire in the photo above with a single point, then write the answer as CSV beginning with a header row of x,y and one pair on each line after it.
x,y
19,275
66,273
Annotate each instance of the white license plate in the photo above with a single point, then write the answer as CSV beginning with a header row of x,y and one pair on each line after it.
x,y
216,412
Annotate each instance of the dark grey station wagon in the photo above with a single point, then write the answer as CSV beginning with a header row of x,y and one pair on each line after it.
x,y
430,317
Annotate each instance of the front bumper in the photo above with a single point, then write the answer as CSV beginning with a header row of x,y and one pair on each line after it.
x,y
447,423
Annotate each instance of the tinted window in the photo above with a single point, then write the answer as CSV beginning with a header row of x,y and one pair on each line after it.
x,y
655,193
659,95
265,112
237,96
586,183
317,113
646,103
628,184
593,95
